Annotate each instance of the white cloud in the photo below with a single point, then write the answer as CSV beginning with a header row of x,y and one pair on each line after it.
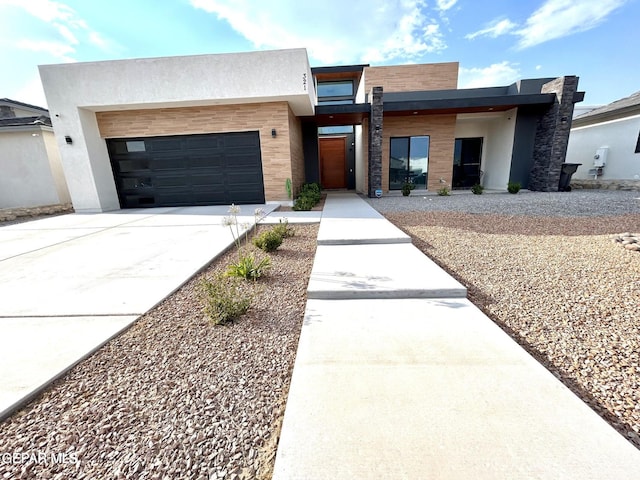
x,y
560,18
386,30
554,19
55,49
444,5
494,29
497,74
71,29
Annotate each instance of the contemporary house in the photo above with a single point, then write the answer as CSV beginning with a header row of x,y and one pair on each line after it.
x,y
31,169
606,141
216,129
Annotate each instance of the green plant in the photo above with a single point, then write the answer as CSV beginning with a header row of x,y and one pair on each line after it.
x,y
444,191
513,187
248,266
309,196
407,187
223,301
477,189
303,203
284,229
268,241
288,188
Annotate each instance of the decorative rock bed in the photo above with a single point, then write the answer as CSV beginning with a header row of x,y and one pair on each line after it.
x,y
630,241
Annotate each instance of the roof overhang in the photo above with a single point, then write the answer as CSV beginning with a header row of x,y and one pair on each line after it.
x,y
453,104
330,115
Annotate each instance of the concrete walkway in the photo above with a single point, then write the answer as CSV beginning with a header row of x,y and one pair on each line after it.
x,y
417,383
69,284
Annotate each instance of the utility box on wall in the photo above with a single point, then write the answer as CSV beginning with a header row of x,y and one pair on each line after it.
x,y
600,157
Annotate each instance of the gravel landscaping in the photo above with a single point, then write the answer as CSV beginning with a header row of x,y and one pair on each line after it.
x,y
545,268
174,396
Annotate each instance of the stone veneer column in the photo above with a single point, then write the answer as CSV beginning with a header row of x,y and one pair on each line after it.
x,y
375,142
552,135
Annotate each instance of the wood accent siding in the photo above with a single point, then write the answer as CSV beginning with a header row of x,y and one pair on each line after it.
x,y
281,156
408,78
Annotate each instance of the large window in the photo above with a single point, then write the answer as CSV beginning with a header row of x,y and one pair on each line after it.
x,y
408,161
335,93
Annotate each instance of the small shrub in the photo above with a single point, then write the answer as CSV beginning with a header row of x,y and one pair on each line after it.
x,y
513,187
303,203
223,301
309,196
444,191
477,189
406,188
268,241
248,267
284,229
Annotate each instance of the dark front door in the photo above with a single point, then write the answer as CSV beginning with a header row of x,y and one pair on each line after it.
x,y
333,162
466,162
209,169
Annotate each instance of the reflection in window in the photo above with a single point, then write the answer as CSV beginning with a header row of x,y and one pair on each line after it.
x,y
408,161
335,89
335,93
135,146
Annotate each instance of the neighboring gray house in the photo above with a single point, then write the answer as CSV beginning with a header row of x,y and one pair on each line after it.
x,y
606,141
30,166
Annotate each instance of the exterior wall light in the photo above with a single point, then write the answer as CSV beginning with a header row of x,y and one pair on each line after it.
x,y
68,139
273,132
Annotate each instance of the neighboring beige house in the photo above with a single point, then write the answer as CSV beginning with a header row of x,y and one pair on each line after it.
x,y
30,168
606,141
217,129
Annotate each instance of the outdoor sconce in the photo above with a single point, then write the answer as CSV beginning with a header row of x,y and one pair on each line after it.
x,y
273,132
564,120
68,139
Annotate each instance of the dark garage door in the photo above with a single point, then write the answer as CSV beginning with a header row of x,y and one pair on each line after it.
x,y
211,169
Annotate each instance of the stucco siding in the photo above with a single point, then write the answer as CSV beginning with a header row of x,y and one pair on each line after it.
x,y
55,164
620,136
26,180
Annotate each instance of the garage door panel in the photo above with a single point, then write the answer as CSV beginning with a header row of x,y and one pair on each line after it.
x,y
206,161
208,169
164,144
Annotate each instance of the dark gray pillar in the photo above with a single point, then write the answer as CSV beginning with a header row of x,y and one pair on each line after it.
x,y
375,142
552,135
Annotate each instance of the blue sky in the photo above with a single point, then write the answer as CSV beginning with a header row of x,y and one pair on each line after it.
x,y
495,41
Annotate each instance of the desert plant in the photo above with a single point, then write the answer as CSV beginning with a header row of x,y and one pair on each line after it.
x,y
513,187
444,191
248,266
268,241
284,229
407,187
477,189
288,188
223,301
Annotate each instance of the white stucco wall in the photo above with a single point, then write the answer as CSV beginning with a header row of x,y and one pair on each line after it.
x,y
76,91
497,131
26,179
55,164
620,136
361,157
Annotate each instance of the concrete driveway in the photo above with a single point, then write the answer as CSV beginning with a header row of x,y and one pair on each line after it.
x,y
70,283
